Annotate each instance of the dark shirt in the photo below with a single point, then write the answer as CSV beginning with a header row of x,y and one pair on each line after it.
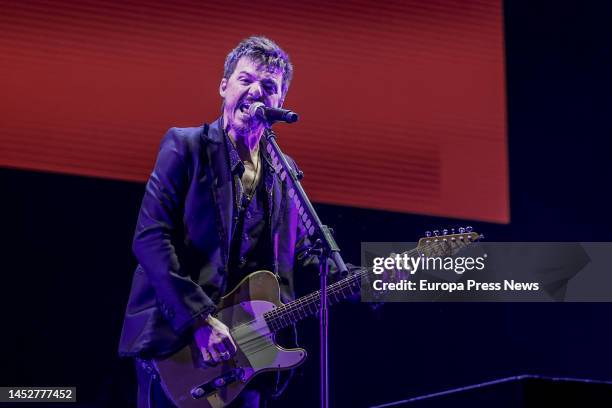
x,y
251,247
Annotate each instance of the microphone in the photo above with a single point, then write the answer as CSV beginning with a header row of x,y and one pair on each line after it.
x,y
272,114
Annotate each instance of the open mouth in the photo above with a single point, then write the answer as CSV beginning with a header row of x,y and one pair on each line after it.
x,y
244,107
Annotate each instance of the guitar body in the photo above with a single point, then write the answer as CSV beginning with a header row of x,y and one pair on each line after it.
x,y
191,383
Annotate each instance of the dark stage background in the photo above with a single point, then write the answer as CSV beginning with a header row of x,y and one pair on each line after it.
x,y
67,265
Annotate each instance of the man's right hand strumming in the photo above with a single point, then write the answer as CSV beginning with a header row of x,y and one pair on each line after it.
x,y
214,341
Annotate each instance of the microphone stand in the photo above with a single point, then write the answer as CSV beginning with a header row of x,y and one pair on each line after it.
x,y
325,247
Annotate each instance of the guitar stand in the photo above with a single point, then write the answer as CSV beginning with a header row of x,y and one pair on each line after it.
x,y
325,246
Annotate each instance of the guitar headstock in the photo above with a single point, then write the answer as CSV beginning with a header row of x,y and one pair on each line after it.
x,y
441,243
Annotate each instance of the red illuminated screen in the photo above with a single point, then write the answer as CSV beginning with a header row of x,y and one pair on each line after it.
x,y
402,104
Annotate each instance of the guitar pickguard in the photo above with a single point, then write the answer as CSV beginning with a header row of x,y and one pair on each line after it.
x,y
255,340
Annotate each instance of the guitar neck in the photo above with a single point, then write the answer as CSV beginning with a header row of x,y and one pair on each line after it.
x,y
309,305
292,312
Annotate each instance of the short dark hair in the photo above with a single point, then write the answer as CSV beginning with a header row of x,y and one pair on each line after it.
x,y
264,51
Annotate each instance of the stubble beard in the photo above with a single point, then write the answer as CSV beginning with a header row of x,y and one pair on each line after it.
x,y
247,130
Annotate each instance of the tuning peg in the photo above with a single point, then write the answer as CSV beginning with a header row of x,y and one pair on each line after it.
x,y
428,234
468,229
461,230
436,232
444,231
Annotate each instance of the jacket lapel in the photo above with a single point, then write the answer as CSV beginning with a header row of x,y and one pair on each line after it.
x,y
222,183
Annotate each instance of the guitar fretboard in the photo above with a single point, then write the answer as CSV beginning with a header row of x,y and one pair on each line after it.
x,y
309,305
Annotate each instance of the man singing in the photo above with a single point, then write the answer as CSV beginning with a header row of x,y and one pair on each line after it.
x,y
214,210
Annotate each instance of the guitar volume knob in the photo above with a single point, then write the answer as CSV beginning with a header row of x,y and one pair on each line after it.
x,y
197,392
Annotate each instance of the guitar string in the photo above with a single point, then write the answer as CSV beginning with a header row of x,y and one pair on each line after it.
x,y
335,290
283,318
299,306
280,322
286,312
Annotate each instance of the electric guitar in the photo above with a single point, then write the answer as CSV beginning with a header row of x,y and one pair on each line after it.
x,y
253,313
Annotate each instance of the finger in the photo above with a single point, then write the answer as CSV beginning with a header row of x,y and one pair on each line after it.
x,y
206,355
230,345
224,353
219,346
214,354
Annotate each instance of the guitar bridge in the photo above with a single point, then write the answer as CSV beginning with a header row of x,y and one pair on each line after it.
x,y
229,377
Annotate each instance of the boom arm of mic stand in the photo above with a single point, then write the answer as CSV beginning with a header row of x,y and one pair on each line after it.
x,y
328,243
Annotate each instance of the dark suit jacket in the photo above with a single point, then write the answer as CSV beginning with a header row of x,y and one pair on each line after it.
x,y
183,238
